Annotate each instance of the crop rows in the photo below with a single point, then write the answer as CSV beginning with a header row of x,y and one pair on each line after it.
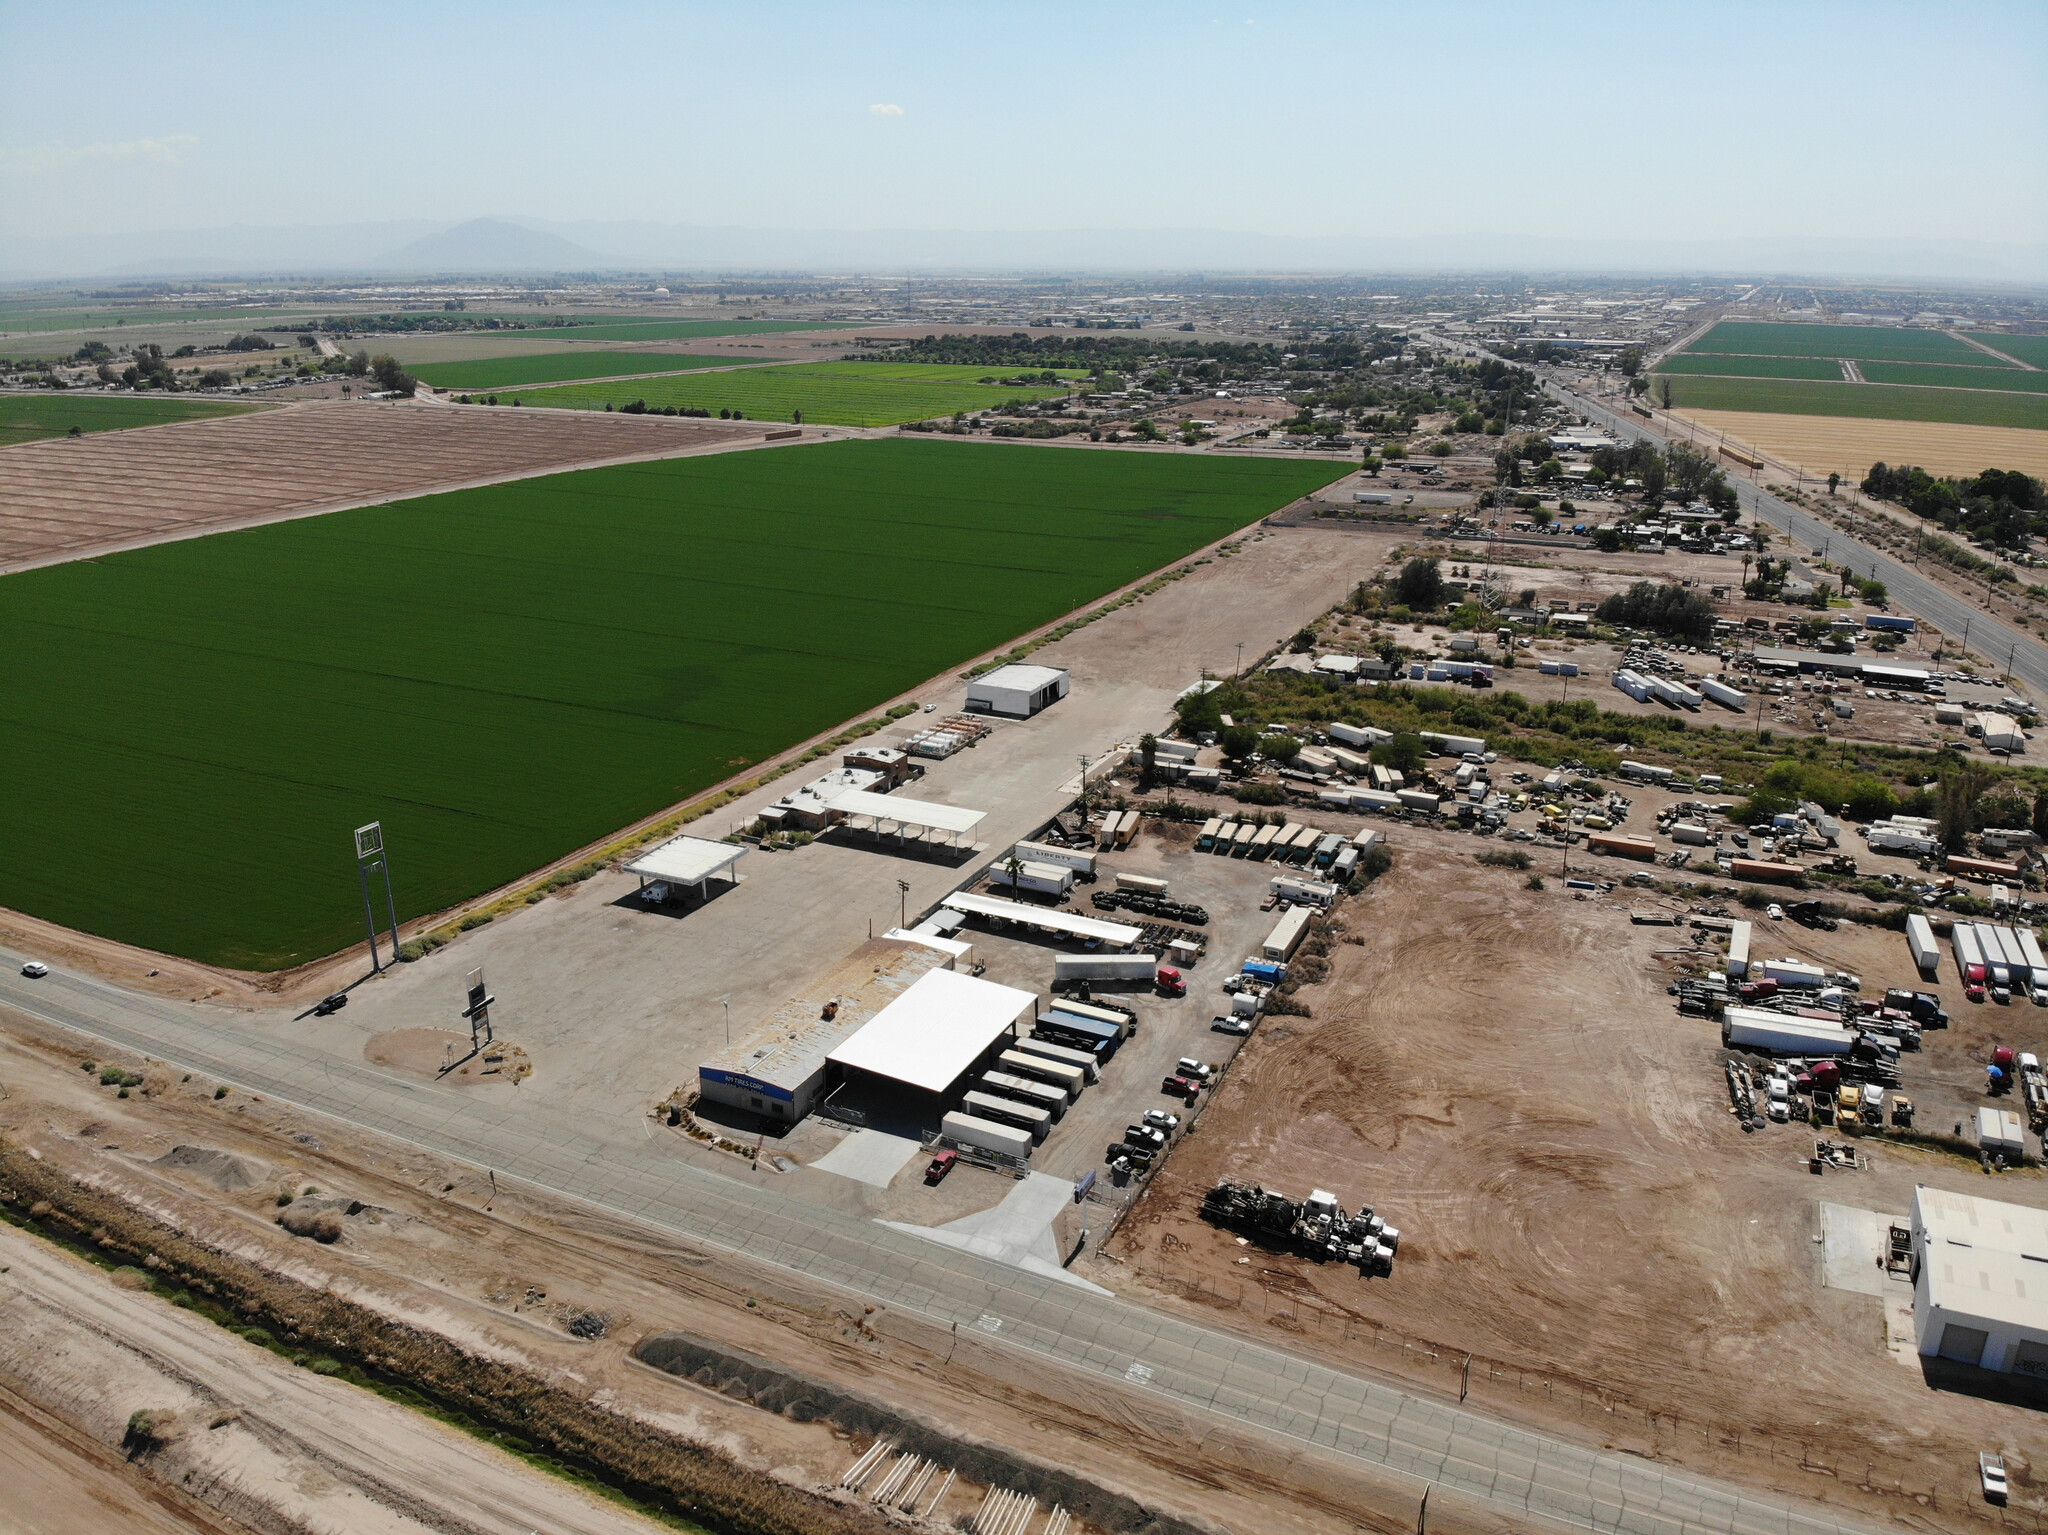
x,y
833,393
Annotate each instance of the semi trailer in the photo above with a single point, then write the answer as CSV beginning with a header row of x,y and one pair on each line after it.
x,y
1085,1061
1920,943
987,1135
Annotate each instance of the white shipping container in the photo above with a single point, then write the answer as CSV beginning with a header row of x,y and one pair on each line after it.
x,y
1044,878
1738,950
1035,1121
1061,1055
1691,833
1721,693
1005,1140
1920,943
1029,1063
1287,935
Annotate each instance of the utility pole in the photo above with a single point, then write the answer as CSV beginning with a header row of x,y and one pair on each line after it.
x,y
903,903
1239,671
725,1003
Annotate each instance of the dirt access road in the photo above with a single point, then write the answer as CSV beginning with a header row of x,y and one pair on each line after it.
x,y
70,497
1498,1071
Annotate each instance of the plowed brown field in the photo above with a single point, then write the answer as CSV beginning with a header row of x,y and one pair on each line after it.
x,y
66,497
1849,446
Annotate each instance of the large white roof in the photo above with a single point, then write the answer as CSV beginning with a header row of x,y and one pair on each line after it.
x,y
1023,677
908,812
1985,1258
1118,934
686,860
936,1030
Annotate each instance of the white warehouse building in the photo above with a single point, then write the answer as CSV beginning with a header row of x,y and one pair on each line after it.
x,y
1980,1282
1017,691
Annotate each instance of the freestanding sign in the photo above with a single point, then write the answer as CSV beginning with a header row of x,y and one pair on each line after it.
x,y
370,858
479,1010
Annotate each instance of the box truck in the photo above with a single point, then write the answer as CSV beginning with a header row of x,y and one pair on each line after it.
x,y
986,1135
1920,941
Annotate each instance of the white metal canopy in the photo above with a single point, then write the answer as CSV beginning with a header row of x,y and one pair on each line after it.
x,y
1116,934
686,860
900,812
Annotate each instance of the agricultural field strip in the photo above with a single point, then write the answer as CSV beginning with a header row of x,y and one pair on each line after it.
x,y
567,367
1896,402
646,629
836,393
1100,1336
31,417
2027,349
1917,375
1858,343
660,330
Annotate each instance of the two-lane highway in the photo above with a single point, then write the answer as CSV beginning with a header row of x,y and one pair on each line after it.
x,y
1948,611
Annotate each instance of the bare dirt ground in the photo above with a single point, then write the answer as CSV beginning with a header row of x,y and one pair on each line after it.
x,y
1849,445
67,497
505,1276
1499,1072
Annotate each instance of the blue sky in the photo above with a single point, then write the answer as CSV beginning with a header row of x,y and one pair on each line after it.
x,y
1635,121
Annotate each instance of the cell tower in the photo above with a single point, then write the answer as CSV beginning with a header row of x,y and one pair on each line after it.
x,y
371,859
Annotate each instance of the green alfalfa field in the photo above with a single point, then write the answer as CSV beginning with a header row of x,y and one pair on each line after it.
x,y
503,675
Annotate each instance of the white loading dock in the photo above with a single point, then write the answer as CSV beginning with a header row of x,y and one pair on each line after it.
x,y
908,819
1979,1292
688,862
1111,935
946,1027
1017,691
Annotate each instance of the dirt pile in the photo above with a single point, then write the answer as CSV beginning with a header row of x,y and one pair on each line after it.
x,y
223,1170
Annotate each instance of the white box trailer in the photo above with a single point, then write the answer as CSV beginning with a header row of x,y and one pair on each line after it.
x,y
1794,972
1008,1111
1367,736
1749,1028
2015,957
1041,1068
1721,693
1969,957
2031,948
1143,882
1454,746
1999,1133
1006,1085
1105,967
1994,954
1349,761
1738,950
1115,1019
1080,860
986,1135
1420,800
1692,833
1920,942
1043,878
1375,801
1183,751
1106,838
1065,1055
1287,935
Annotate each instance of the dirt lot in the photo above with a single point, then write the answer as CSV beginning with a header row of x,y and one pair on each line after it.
x,y
505,1276
1499,1072
116,490
1849,446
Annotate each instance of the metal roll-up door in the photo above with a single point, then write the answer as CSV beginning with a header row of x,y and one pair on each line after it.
x,y
1965,1345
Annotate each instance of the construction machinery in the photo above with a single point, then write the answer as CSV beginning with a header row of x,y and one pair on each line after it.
x,y
2033,1091
1317,1226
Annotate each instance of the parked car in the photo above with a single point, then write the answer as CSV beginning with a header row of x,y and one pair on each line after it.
x,y
334,1002
1775,912
35,970
1991,1472
1231,1025
941,1165
1160,1119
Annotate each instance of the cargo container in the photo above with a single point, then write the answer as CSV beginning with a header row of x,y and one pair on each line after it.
x,y
1738,950
1080,860
1117,1019
1982,868
1086,1061
1004,1140
1691,833
1995,967
1622,845
2030,948
1920,943
1143,882
1999,1134
1645,771
1766,873
1454,746
1634,684
1791,972
1034,1121
1106,838
1969,956
1040,1068
1041,878
1127,828
1898,622
1748,1028
2015,957
1721,693
1002,1083
1210,829
1104,967
1420,800
1287,934
1375,801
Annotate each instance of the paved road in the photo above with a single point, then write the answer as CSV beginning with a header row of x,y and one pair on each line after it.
x,y
1095,1334
1948,611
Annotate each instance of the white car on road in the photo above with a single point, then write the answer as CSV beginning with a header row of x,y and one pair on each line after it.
x,y
35,970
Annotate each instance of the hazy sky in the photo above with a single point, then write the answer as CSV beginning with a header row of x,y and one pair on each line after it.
x,y
1661,121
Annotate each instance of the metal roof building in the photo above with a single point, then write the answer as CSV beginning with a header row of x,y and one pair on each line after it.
x,y
687,861
1980,1282
944,1027
1017,690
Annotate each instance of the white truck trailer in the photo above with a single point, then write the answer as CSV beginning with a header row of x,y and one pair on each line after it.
x,y
1721,693
1035,1121
1104,967
1041,878
1738,950
1144,882
1692,833
1969,957
1794,972
1065,1055
1026,1063
1114,1018
986,1135
1007,1085
1358,735
1920,942
1287,935
1080,860
1749,1028
2015,956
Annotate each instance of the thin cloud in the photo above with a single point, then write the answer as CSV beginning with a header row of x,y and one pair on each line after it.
x,y
40,159
885,109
